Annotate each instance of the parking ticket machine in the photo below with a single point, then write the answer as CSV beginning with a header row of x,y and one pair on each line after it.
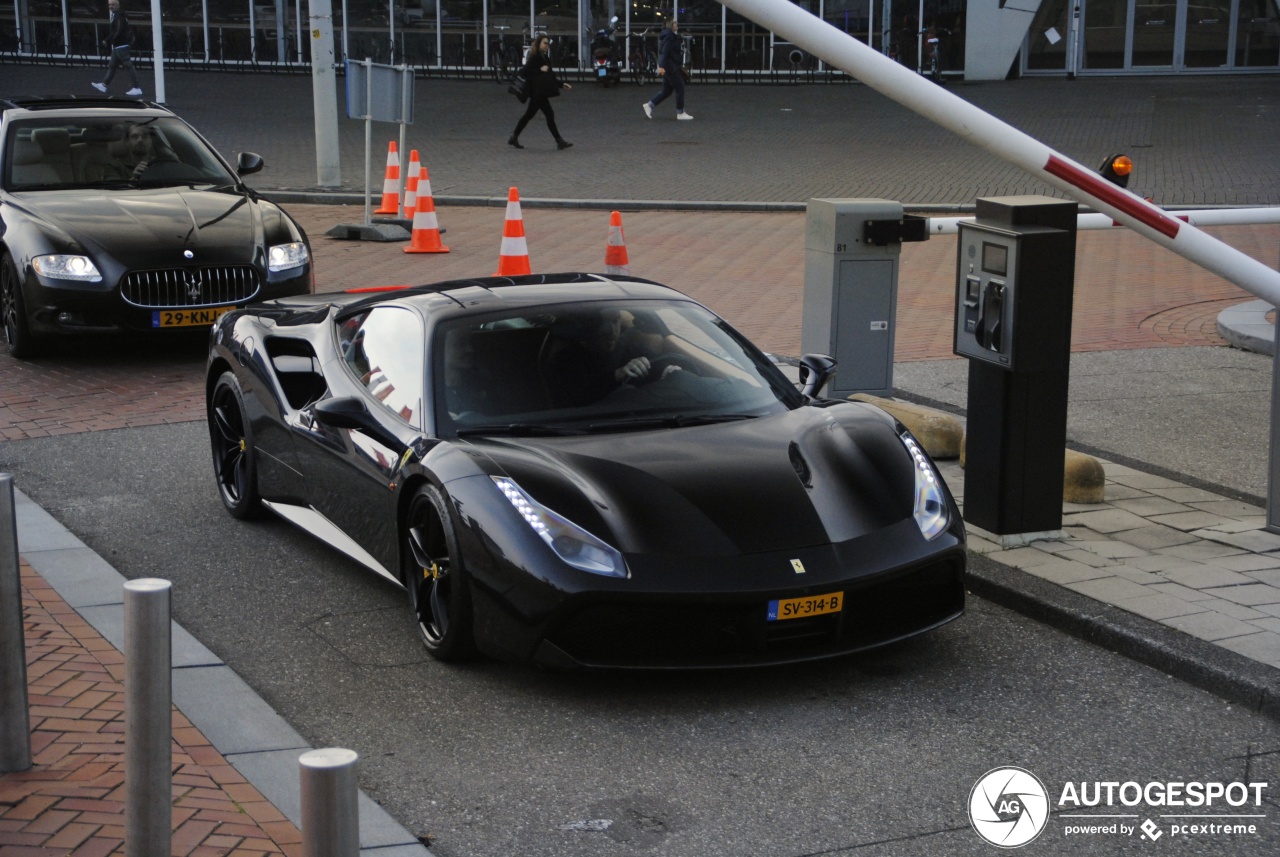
x,y
1015,275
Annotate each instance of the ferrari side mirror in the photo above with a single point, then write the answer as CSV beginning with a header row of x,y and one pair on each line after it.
x,y
815,371
348,412
248,163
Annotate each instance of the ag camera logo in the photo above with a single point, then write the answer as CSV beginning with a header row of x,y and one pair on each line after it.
x,y
1008,807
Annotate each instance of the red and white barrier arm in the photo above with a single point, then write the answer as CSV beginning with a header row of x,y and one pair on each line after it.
x,y
976,126
1204,217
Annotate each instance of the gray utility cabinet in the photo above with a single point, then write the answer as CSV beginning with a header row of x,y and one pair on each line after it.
x,y
851,292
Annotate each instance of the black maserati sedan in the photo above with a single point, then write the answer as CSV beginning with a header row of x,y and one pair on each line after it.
x,y
579,470
116,215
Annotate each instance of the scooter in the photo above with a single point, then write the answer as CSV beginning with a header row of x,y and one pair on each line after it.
x,y
604,56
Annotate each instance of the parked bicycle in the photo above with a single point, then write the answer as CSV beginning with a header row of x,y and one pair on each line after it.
x,y
505,55
933,52
643,58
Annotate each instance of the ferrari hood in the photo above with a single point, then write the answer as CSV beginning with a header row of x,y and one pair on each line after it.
x,y
158,219
806,477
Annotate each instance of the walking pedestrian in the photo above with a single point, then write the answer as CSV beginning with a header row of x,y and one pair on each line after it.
x,y
543,86
671,69
118,41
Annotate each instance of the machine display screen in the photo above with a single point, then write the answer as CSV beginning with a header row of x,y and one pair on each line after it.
x,y
995,259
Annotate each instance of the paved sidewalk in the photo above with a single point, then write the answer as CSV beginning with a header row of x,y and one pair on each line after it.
x,y
72,800
236,782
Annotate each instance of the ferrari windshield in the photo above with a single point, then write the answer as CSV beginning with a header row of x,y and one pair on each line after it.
x,y
53,153
599,367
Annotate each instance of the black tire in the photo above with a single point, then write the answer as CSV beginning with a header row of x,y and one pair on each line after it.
x,y
434,574
235,459
13,311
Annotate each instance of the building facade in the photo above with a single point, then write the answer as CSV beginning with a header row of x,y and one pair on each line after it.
x,y
975,39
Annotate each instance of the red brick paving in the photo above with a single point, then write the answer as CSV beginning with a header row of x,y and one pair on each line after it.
x,y
70,803
1130,293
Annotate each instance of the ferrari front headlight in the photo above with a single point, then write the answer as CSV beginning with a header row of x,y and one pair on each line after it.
x,y
61,267
282,257
930,509
570,542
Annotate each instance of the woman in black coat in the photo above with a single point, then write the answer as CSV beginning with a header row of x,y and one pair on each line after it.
x,y
543,86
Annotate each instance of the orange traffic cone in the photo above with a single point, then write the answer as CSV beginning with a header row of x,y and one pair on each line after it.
x,y
426,230
391,184
513,258
615,252
411,185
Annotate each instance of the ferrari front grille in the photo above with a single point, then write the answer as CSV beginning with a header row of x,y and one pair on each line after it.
x,y
190,287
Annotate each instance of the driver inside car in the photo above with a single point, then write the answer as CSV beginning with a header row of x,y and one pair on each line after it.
x,y
596,355
144,148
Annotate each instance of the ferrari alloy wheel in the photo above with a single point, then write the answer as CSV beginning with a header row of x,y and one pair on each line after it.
x,y
436,579
17,331
234,458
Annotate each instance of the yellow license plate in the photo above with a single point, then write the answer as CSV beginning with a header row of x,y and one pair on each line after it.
x,y
810,605
188,317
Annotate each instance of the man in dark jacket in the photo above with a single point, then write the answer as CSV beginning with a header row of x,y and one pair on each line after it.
x,y
669,66
118,41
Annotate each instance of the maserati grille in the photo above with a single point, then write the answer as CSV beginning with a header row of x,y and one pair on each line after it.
x,y
190,287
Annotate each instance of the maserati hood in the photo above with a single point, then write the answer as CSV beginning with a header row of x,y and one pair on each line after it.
x,y
807,477
147,224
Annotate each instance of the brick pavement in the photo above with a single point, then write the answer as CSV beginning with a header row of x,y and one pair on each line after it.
x,y
1130,293
70,803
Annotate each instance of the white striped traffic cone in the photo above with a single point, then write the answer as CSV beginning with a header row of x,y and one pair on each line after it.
x,y
391,183
411,185
513,258
615,251
426,230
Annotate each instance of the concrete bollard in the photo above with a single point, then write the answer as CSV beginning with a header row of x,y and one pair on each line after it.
x,y
148,719
15,720
330,804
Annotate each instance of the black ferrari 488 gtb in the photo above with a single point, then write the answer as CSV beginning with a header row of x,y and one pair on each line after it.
x,y
583,471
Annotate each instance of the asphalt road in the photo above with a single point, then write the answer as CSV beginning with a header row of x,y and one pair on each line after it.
x,y
874,754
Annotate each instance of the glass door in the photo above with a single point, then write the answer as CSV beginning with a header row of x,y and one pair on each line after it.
x,y
1155,24
1207,34
1106,27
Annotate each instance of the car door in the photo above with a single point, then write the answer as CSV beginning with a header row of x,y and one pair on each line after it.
x,y
351,474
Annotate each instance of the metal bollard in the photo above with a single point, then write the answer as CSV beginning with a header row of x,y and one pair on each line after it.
x,y
148,721
330,808
15,721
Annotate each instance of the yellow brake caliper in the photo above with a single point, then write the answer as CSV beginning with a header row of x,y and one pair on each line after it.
x,y
432,573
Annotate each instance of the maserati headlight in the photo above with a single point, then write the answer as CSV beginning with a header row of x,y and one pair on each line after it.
x,y
59,267
930,503
282,257
571,543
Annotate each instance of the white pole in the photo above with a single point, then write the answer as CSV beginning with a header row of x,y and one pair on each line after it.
x,y
920,39
157,49
148,719
1205,217
1003,140
330,802
15,722
324,96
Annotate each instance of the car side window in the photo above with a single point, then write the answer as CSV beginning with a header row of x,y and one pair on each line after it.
x,y
385,350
